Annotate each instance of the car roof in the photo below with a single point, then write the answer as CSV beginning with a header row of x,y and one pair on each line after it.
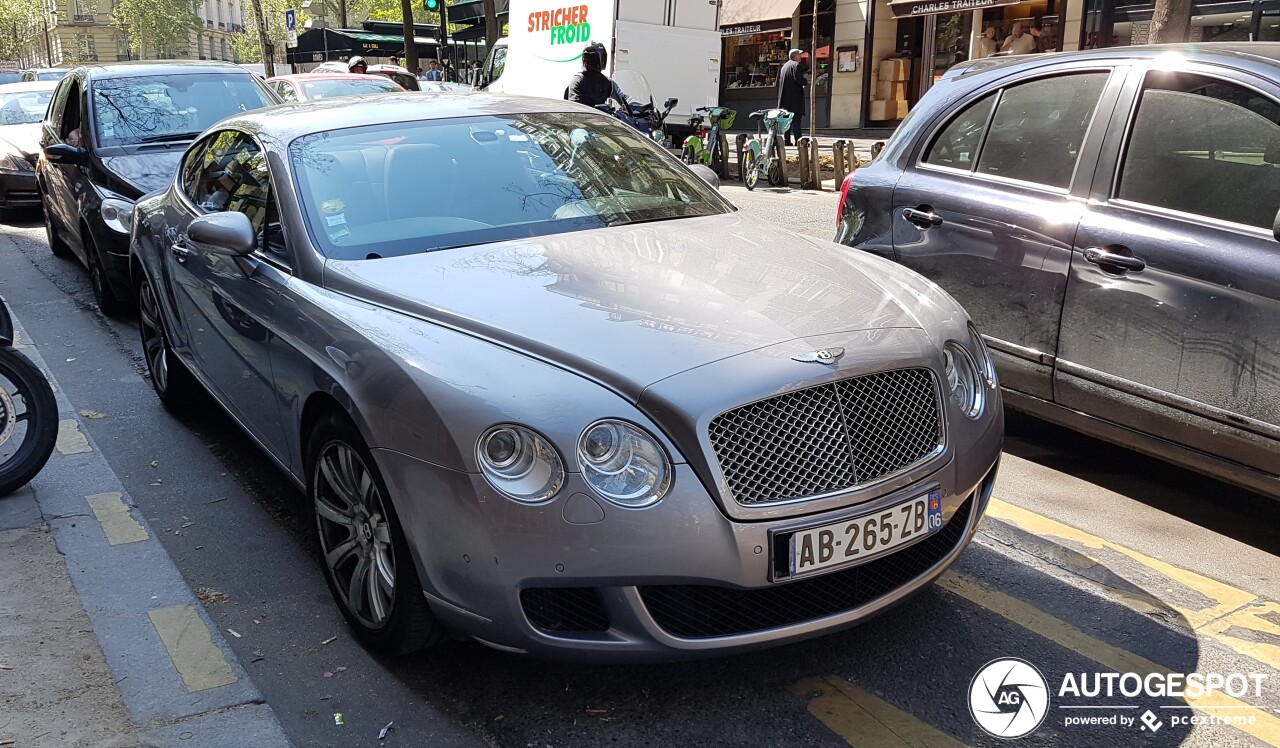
x,y
284,122
8,88
325,76
1263,55
139,68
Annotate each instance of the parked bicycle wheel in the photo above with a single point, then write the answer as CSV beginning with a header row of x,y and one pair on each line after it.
x,y
750,170
28,420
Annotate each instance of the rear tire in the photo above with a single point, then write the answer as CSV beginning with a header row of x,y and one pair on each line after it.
x,y
366,558
750,174
170,378
21,380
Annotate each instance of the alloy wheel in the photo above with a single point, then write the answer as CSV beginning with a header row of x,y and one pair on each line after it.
x,y
355,534
154,344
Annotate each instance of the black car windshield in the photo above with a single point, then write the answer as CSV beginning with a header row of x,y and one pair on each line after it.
x,y
401,188
128,111
323,89
23,107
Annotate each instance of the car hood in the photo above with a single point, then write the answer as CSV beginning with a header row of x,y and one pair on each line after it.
x,y
141,173
25,138
629,306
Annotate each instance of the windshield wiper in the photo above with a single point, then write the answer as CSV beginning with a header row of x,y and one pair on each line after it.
x,y
170,138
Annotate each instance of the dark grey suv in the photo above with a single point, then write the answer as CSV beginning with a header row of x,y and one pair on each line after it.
x,y
1109,220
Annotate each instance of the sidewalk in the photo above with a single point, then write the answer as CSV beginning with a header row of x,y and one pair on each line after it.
x,y
102,644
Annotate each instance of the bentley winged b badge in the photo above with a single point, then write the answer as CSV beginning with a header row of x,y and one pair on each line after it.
x,y
824,356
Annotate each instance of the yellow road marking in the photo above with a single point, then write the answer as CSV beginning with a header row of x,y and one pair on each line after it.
x,y
117,523
200,663
70,440
862,719
1266,727
1232,609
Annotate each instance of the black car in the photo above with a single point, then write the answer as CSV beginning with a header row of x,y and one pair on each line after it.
x,y
22,106
1109,220
114,132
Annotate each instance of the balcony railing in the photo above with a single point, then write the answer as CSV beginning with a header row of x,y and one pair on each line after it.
x,y
209,23
82,18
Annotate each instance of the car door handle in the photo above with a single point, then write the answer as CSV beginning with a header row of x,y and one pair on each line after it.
x,y
924,217
1107,259
181,250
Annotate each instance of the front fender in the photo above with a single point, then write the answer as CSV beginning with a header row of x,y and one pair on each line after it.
x,y
753,147
6,324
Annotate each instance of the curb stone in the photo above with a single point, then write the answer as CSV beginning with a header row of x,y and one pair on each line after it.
x,y
183,686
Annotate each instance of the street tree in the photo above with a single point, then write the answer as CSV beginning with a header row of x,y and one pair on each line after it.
x,y
410,46
491,28
248,43
19,24
1170,21
157,28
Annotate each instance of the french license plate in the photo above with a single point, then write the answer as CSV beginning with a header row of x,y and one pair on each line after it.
x,y
862,538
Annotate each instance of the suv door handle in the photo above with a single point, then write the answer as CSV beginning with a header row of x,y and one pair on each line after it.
x,y
181,250
924,217
1107,259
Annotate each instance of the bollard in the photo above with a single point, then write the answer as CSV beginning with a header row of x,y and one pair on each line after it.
x,y
739,145
840,157
806,171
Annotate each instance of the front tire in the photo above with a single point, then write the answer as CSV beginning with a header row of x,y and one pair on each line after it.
x,y
57,245
173,383
106,299
365,555
28,420
750,174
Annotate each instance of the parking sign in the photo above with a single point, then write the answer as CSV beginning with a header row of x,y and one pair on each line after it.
x,y
291,28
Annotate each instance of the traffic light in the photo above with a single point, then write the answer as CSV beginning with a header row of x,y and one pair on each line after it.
x,y
431,4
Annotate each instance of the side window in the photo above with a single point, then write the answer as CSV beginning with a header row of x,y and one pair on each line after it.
x,y
498,64
284,90
228,171
1219,138
957,145
69,127
1038,128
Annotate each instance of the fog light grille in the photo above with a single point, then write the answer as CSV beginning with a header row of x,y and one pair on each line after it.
x,y
562,610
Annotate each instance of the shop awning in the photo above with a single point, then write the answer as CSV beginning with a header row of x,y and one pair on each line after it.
x,y
746,14
912,8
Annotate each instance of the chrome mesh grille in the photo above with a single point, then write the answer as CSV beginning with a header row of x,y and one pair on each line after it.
x,y
828,438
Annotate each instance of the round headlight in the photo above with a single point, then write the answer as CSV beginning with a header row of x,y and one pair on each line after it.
x,y
986,366
962,379
623,464
117,214
520,463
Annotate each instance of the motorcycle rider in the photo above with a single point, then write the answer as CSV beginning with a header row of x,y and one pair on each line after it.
x,y
357,65
591,86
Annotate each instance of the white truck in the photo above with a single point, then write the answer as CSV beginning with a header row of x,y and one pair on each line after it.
x,y
675,44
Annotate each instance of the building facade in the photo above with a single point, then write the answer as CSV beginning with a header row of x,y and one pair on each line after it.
x,y
76,31
855,86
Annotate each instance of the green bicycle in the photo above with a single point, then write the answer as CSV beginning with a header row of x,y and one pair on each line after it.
x,y
703,147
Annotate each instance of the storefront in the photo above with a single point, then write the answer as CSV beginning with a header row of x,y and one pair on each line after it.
x,y
1109,23
757,36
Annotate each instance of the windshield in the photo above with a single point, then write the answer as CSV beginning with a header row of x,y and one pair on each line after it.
x,y
634,85
402,188
9,76
323,89
128,111
51,75
23,108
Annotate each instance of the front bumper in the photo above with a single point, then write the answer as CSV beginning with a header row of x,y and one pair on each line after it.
x,y
19,190
579,578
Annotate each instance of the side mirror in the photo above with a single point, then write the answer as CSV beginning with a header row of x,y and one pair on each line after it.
x,y
670,103
61,153
227,233
707,174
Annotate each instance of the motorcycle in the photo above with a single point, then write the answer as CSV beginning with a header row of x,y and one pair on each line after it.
x,y
642,116
28,413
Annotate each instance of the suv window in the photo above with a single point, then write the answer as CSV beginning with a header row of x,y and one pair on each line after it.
x,y
69,130
1220,137
1038,127
957,145
228,171
497,64
284,90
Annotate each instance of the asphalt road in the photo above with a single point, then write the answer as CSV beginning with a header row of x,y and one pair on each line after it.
x,y
1093,559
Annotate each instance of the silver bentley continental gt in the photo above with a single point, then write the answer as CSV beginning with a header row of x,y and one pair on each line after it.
x,y
545,388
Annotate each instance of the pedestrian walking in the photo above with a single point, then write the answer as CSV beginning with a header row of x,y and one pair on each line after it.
x,y
434,73
477,75
791,93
